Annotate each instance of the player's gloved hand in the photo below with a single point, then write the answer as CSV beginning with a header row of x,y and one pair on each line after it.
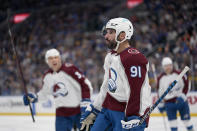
x,y
181,98
132,124
88,118
29,98
84,103
161,107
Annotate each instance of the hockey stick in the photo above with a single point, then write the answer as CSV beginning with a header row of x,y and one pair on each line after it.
x,y
164,94
155,78
154,72
18,62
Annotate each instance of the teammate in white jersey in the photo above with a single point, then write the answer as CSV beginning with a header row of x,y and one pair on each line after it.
x,y
125,92
70,88
176,99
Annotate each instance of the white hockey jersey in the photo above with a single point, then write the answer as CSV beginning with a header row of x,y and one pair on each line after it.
x,y
165,80
127,74
70,78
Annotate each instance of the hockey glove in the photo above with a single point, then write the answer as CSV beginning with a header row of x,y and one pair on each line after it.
x,y
181,99
88,118
29,98
161,107
84,103
132,124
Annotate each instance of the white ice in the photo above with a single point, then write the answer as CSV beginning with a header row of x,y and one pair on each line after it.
x,y
46,123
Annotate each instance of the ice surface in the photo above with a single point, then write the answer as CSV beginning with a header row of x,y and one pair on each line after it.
x,y
47,123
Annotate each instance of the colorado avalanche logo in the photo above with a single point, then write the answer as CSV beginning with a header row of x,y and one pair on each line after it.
x,y
60,89
133,51
112,80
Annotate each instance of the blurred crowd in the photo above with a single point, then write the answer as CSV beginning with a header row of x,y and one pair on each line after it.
x,y
75,30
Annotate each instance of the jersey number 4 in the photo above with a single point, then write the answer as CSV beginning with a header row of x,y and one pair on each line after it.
x,y
135,71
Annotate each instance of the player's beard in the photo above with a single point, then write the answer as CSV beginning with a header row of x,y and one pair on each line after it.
x,y
112,44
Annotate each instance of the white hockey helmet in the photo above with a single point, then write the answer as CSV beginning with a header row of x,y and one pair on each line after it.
x,y
120,25
51,52
166,61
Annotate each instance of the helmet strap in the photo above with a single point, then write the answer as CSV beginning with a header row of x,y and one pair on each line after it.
x,y
118,42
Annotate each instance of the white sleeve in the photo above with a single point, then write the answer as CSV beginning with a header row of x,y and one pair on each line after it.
x,y
189,87
103,90
102,94
87,81
44,93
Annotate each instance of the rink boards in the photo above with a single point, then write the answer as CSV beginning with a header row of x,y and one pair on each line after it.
x,y
13,105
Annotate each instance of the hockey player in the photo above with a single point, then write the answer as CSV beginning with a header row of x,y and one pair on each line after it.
x,y
70,88
176,99
124,96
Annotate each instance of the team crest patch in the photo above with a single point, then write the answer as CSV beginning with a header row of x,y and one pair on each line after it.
x,y
112,80
60,89
133,51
